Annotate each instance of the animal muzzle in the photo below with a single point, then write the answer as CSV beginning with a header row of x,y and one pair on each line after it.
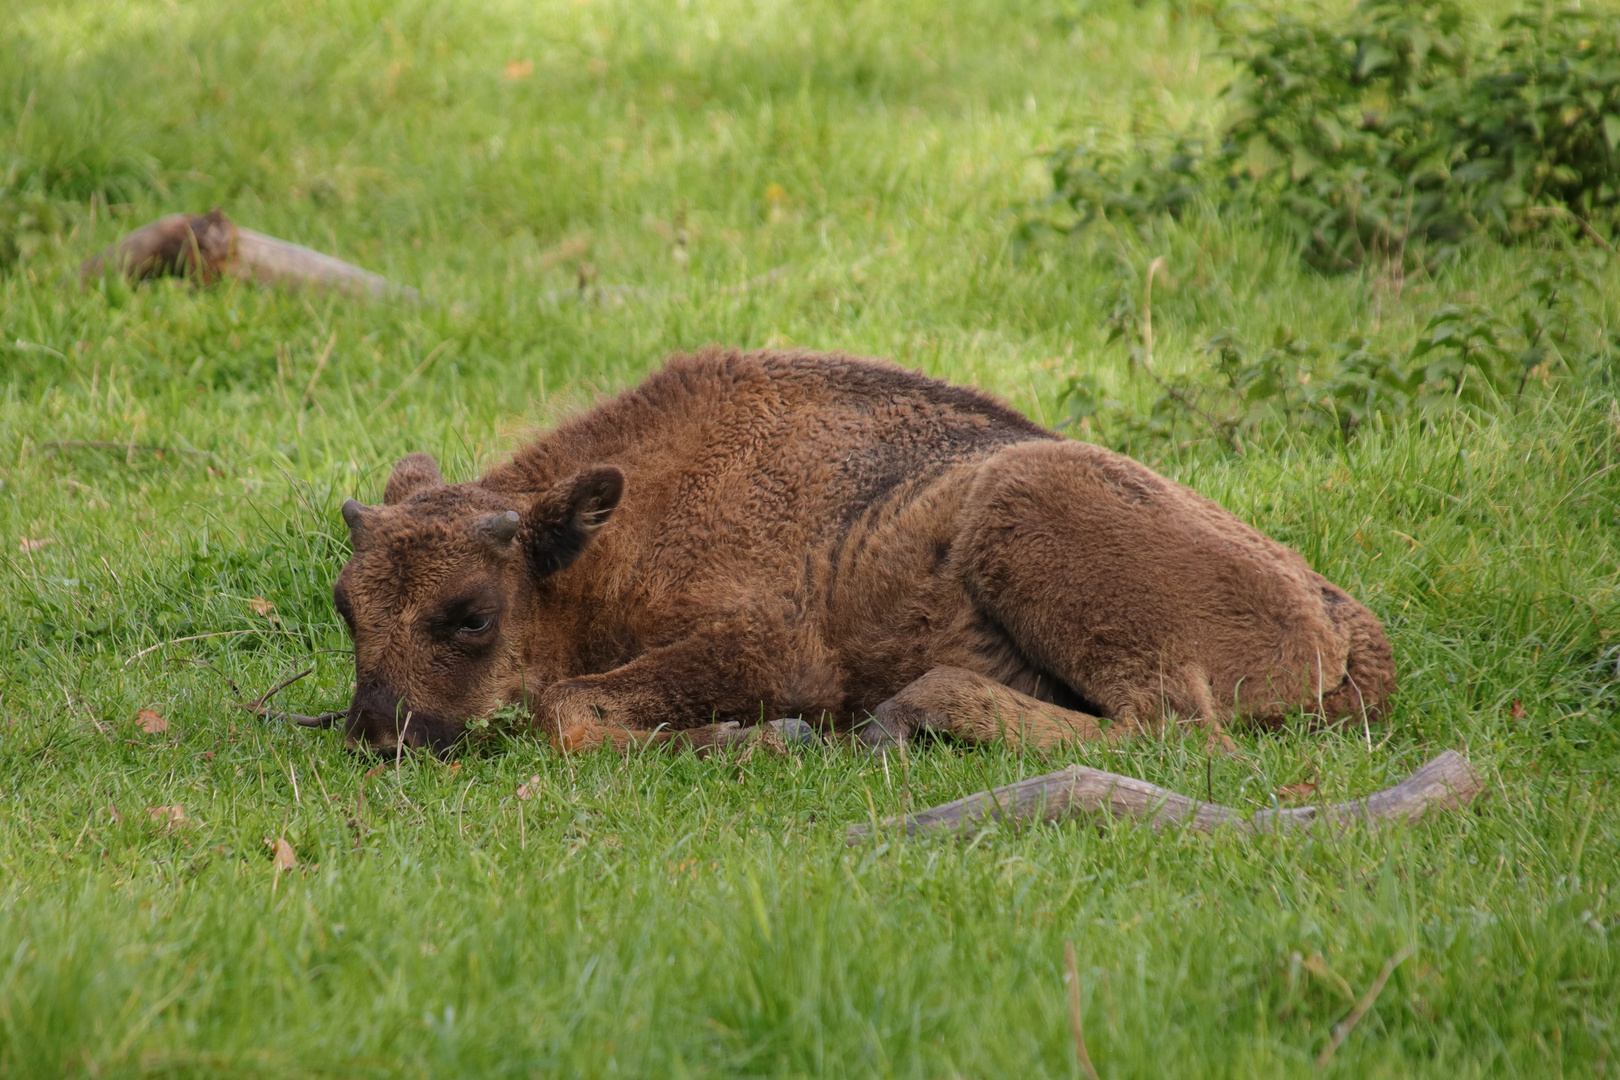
x,y
382,723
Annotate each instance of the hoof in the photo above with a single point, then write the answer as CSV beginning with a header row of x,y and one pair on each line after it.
x,y
723,735
794,733
883,731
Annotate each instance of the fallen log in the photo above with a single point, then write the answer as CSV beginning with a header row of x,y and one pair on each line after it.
x,y
207,247
1444,783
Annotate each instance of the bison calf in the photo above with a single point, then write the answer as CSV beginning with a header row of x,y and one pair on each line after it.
x,y
746,536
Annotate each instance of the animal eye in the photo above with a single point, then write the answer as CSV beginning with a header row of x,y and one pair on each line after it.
x,y
340,600
474,624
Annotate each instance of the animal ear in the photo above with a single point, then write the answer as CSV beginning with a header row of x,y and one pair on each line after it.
x,y
357,516
562,521
411,474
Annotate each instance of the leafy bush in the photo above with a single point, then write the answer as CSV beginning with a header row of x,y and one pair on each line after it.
x,y
1467,356
1394,123
28,222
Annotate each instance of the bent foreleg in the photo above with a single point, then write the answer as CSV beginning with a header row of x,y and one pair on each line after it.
x,y
680,695
970,707
704,740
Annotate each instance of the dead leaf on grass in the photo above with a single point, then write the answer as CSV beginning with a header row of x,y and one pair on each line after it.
x,y
531,789
172,816
571,248
263,607
1300,792
518,70
1518,709
374,772
286,858
1317,965
151,721
27,543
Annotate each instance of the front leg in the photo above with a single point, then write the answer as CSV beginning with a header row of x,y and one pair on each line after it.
x,y
976,709
692,693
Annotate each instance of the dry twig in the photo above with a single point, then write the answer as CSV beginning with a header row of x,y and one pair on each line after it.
x,y
1343,1028
260,705
124,448
320,366
1080,1052
192,637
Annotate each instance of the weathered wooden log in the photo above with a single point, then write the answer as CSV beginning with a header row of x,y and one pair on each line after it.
x,y
1446,782
207,247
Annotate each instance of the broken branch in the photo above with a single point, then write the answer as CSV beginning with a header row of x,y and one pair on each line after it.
x,y
260,705
1076,1026
1343,1028
1446,782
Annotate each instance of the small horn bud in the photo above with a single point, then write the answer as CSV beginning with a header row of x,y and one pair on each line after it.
x,y
354,513
501,528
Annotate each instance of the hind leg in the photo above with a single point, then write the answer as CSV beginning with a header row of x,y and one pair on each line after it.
x,y
1145,598
1369,676
975,709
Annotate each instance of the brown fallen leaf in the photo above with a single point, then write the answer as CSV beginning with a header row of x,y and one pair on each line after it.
x,y
374,772
1518,709
518,70
1318,966
286,859
531,789
151,721
1300,792
568,249
26,544
263,607
172,816
455,766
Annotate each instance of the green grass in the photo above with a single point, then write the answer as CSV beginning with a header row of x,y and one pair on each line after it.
x,y
849,175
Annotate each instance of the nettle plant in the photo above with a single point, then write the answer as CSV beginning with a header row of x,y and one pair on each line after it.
x,y
1467,355
1395,131
29,222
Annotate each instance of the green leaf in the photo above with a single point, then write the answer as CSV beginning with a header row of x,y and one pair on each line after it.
x,y
1261,157
1328,125
1611,130
1303,164
1432,166
1372,58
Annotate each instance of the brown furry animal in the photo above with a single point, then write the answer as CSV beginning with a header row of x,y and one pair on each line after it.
x,y
746,536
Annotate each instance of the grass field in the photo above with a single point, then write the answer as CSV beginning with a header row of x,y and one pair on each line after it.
x,y
840,174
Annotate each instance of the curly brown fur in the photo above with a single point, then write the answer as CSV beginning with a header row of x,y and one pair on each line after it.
x,y
751,535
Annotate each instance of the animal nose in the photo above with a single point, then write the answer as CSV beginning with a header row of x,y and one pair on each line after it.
x,y
385,734
380,721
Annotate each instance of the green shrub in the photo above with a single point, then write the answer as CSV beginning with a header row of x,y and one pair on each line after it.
x,y
1467,355
1393,129
28,222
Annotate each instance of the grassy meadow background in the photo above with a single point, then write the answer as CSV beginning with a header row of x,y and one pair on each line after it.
x,y
578,188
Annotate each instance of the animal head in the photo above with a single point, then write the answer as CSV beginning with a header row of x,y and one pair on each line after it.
x,y
441,598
